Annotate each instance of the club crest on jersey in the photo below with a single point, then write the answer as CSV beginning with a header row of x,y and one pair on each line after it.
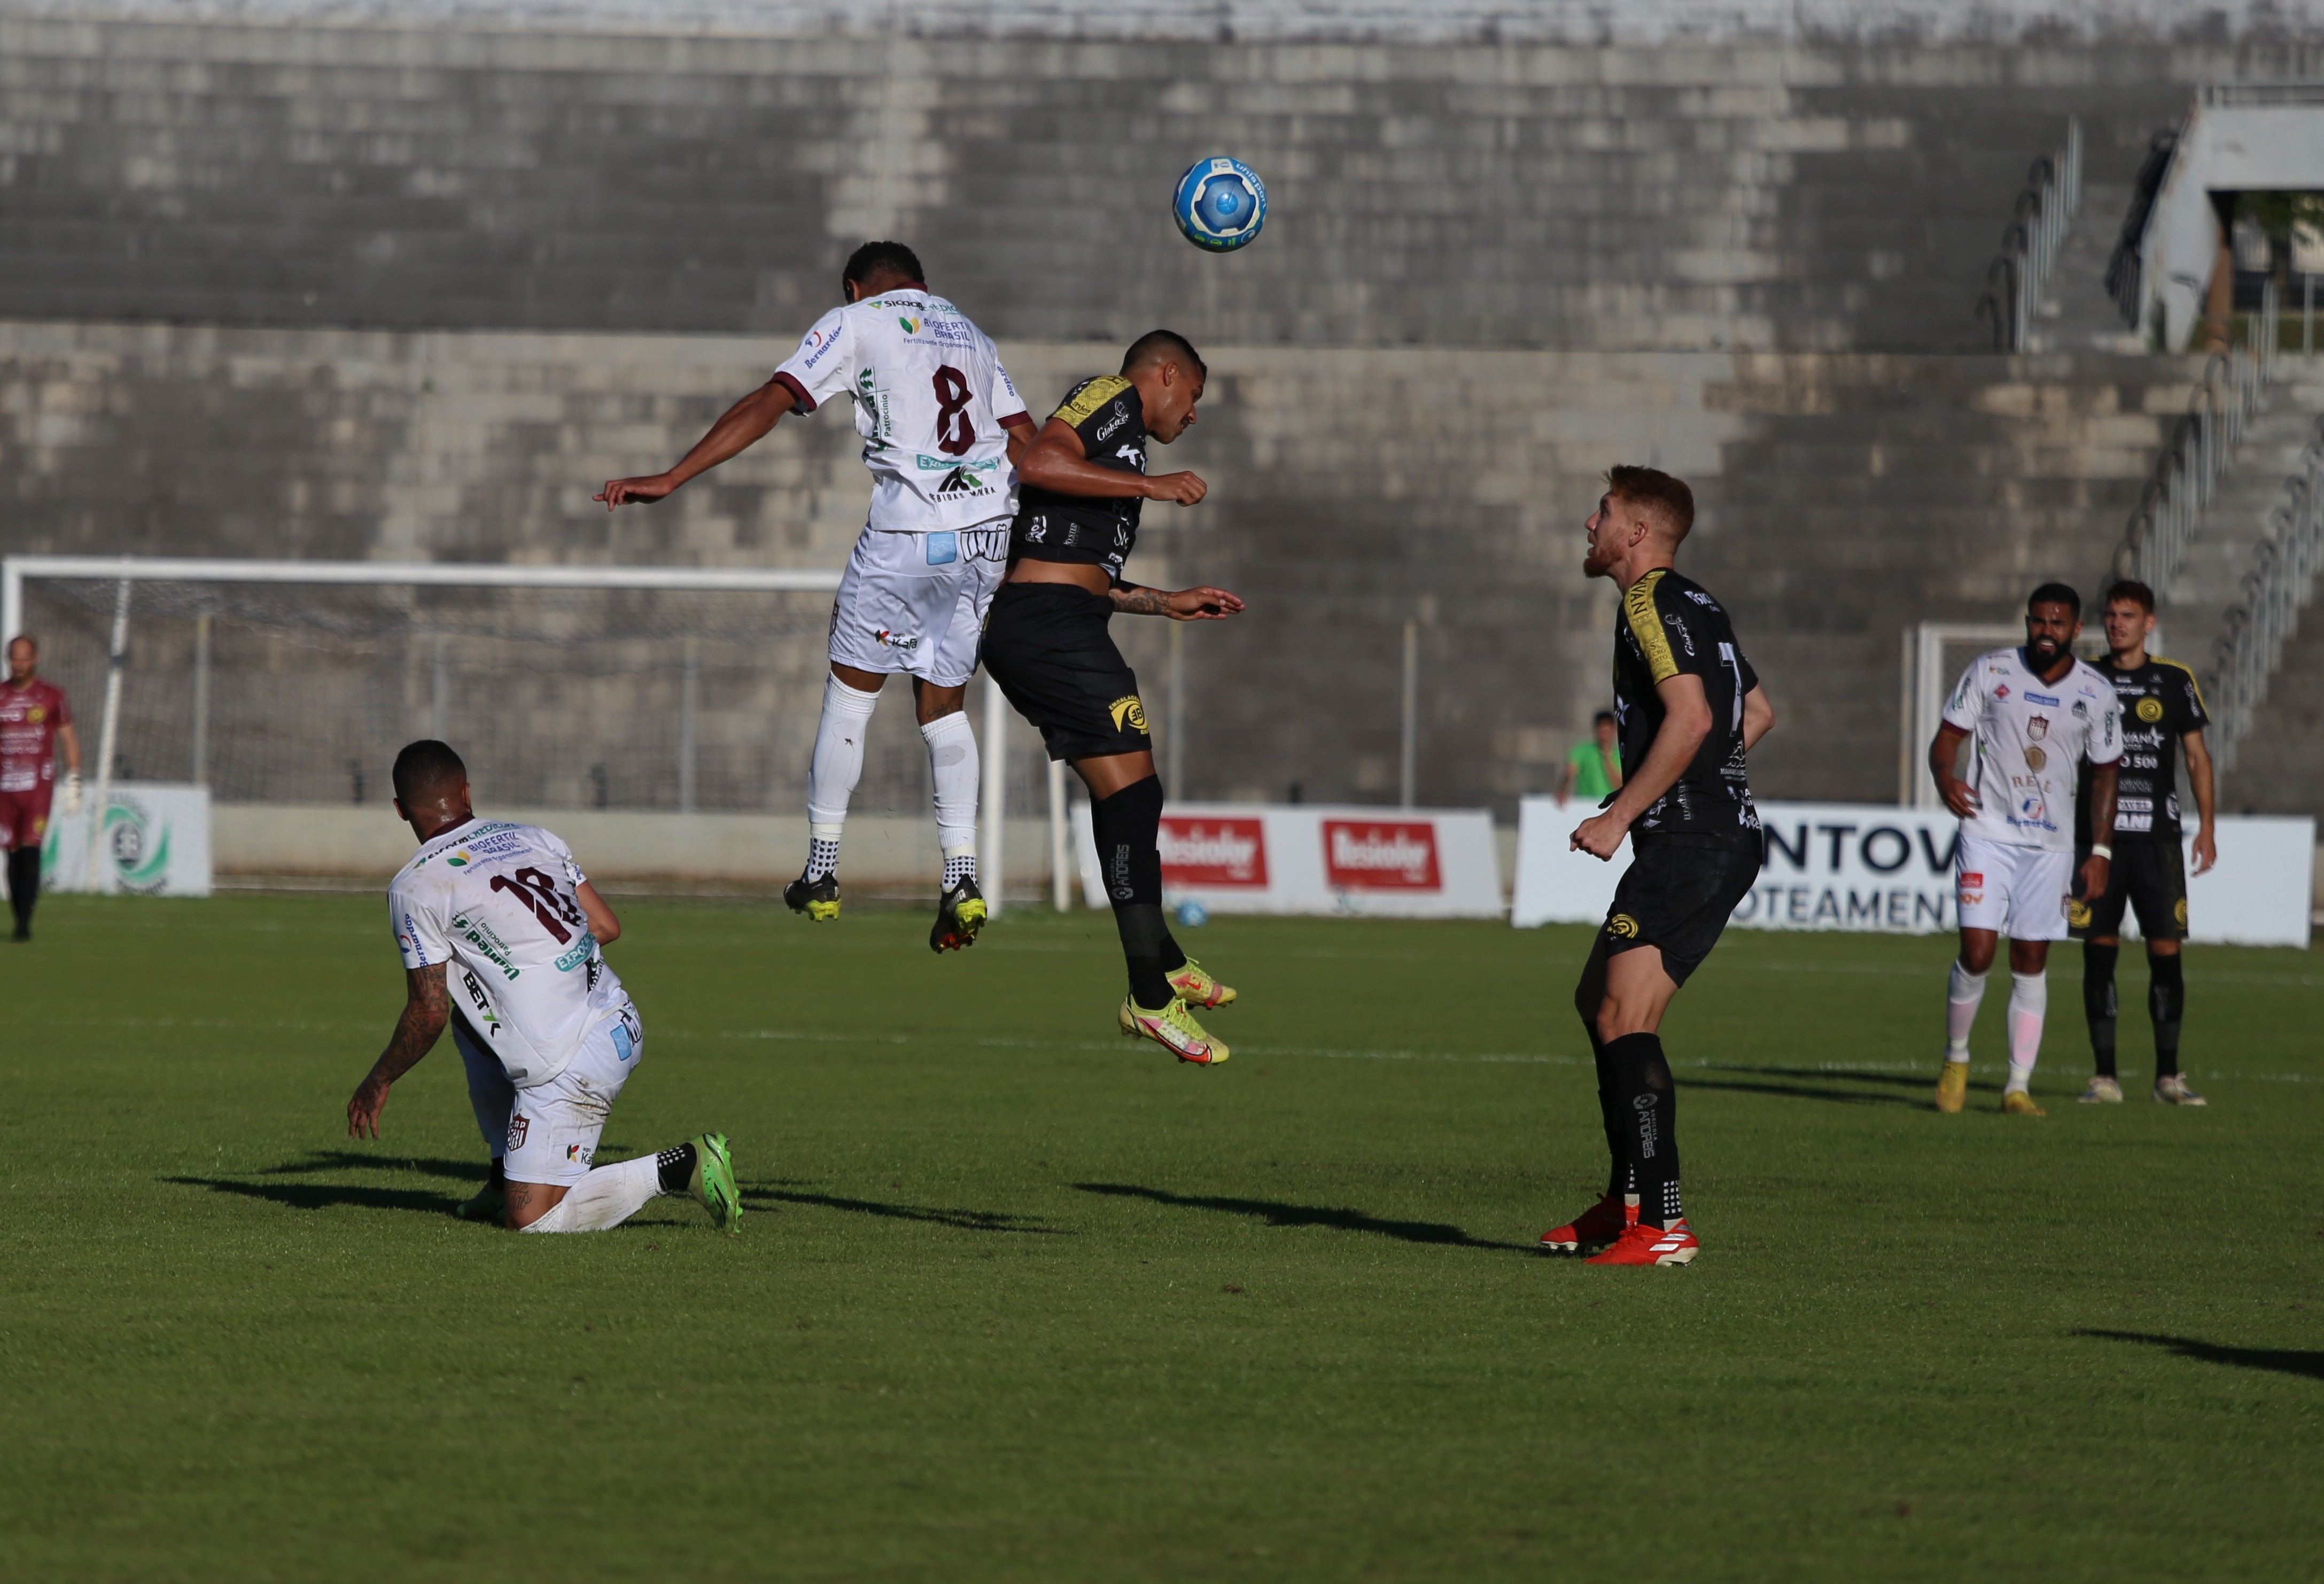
x,y
1127,714
519,1126
2149,710
2037,728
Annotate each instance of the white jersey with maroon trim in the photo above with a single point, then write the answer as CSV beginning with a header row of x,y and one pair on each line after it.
x,y
497,904
2029,738
931,401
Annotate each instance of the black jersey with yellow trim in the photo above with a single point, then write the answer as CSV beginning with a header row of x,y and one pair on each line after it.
x,y
2161,702
1109,416
1670,625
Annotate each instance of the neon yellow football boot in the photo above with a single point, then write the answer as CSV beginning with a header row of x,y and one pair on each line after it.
x,y
1952,1087
1173,1028
1198,988
2018,1103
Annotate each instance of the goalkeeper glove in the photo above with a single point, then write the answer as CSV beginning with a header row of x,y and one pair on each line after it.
x,y
72,792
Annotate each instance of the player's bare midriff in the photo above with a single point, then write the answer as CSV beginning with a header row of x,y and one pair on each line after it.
x,y
1080,573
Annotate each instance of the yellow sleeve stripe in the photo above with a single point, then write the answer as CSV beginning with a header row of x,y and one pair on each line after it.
x,y
1084,403
1646,627
2191,681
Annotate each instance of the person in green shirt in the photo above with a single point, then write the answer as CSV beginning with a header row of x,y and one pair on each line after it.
x,y
1594,768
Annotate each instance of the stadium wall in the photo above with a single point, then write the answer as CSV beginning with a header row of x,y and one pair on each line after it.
x,y
338,286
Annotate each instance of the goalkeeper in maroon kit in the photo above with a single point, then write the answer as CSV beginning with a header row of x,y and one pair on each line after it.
x,y
34,719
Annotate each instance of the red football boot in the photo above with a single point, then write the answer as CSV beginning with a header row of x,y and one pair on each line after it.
x,y
1641,1244
1596,1227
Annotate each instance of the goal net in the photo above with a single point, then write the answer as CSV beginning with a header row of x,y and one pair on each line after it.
x,y
642,689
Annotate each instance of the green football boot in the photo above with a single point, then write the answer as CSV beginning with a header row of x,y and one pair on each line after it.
x,y
489,1205
960,913
817,898
713,1181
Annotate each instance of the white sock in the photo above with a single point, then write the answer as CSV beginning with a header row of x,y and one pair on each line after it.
x,y
952,763
2028,1001
606,1198
837,765
1964,993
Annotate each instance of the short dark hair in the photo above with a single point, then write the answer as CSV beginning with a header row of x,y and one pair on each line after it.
x,y
1161,346
874,259
1603,718
2134,591
424,767
2055,593
1667,497
25,637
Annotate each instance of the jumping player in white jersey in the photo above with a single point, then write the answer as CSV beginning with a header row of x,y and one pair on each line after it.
x,y
942,430
2035,714
501,935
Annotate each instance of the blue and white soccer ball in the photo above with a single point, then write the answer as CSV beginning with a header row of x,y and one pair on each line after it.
x,y
1220,203
1193,915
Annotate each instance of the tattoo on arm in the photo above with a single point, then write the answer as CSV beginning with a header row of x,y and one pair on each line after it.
x,y
1136,600
426,1009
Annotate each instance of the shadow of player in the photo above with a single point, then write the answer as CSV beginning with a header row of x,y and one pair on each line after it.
x,y
965,1220
1923,1082
325,1195
2305,1362
1844,1097
353,1160
1277,1214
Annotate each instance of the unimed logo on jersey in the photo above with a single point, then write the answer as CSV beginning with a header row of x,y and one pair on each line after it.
x,y
1213,852
1381,855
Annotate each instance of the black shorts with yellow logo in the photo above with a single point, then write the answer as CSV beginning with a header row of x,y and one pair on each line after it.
x,y
2149,876
1678,893
1047,644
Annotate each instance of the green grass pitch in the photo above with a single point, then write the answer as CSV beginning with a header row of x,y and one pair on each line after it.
x,y
1017,1299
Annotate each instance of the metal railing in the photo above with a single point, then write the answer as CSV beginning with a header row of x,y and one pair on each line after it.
x,y
2169,511
2250,645
2015,281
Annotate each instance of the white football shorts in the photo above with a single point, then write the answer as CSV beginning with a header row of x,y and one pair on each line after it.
x,y
2017,892
915,602
553,1126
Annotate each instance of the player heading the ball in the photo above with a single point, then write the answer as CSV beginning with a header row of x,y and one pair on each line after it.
x,y
503,937
942,427
2032,714
1048,646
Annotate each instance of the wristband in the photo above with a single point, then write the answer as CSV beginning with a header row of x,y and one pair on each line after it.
x,y
2101,850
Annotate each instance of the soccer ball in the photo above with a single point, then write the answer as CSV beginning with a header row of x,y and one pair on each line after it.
x,y
1220,203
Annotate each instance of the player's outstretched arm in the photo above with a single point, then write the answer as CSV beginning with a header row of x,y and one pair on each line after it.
x,y
1944,751
1205,604
1056,461
1759,717
739,428
1686,723
2200,781
426,1010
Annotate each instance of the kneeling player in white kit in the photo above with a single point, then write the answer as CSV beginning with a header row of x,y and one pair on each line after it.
x,y
500,932
2035,713
942,429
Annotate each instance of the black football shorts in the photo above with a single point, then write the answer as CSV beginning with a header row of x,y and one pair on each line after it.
x,y
1677,894
1047,644
2147,875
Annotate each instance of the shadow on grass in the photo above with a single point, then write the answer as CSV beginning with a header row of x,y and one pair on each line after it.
x,y
1846,1097
966,1221
1277,1214
2308,1362
323,1196
1920,1081
353,1160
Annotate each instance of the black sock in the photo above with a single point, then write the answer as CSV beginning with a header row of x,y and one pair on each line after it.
x,y
677,1168
24,885
2166,1002
499,1179
1128,828
2098,1002
1649,1105
1618,1178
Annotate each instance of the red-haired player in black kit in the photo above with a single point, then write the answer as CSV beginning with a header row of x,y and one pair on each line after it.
x,y
1688,707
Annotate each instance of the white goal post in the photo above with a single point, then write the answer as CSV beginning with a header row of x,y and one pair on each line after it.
x,y
126,571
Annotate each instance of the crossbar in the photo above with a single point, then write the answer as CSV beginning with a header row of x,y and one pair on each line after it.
x,y
15,569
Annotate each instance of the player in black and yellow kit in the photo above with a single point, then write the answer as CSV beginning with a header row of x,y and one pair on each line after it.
x,y
1688,707
1082,481
2161,707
